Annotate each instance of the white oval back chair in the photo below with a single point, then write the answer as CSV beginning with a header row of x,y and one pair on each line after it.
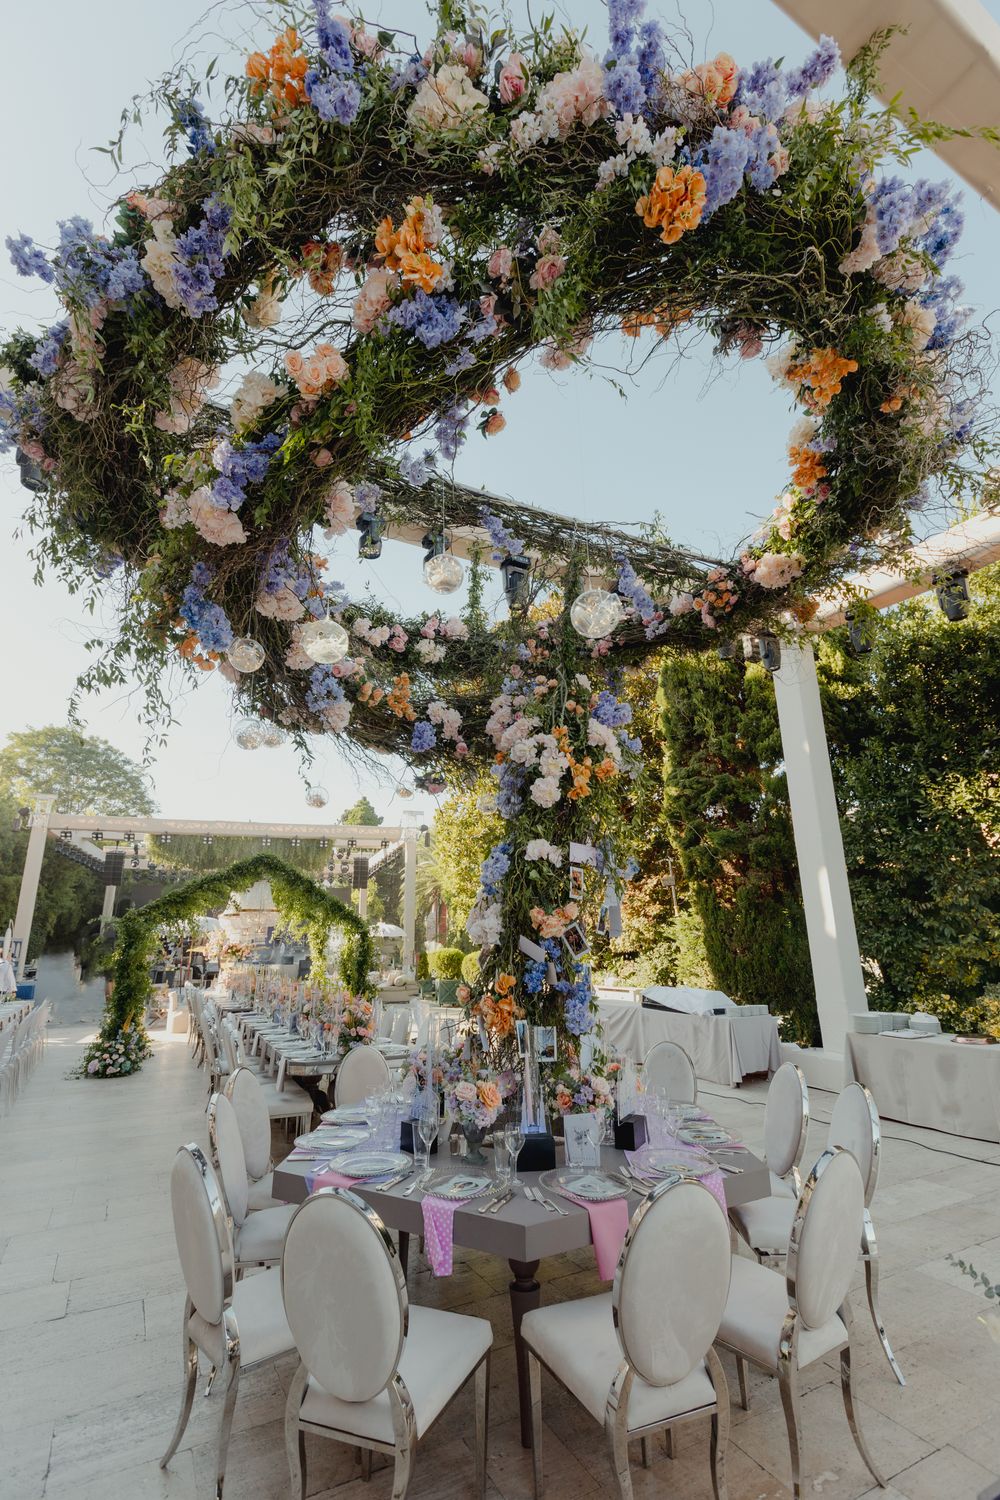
x,y
258,1235
641,1359
374,1372
786,1124
246,1094
235,1326
362,1072
784,1322
667,1066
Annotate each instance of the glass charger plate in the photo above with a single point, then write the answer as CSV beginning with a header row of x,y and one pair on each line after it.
x,y
371,1163
458,1186
706,1135
588,1183
332,1139
660,1161
344,1116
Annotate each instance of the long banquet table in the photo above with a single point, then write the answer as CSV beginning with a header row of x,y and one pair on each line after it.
x,y
930,1081
724,1049
522,1232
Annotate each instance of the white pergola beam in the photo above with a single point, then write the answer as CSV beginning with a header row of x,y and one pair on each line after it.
x,y
946,66
363,835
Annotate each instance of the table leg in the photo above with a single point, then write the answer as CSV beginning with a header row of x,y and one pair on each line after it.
x,y
525,1293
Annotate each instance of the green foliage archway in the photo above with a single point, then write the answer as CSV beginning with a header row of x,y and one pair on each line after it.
x,y
122,1042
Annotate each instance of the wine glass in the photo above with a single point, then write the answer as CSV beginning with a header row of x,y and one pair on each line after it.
x,y
513,1134
428,1122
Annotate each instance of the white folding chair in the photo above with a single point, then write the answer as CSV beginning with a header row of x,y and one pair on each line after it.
x,y
364,1071
640,1358
668,1067
785,1322
375,1372
246,1094
257,1236
235,1326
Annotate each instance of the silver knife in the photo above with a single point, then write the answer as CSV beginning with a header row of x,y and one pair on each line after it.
x,y
498,1203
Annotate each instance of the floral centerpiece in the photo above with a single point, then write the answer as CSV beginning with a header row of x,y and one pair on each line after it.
x,y
473,1091
357,1024
572,1090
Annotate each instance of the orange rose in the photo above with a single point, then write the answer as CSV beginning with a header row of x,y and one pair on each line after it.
x,y
489,1095
505,984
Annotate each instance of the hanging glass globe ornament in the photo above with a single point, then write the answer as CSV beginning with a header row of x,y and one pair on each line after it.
x,y
443,573
271,735
324,641
595,613
245,654
317,796
247,734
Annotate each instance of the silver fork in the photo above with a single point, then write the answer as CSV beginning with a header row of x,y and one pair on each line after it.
x,y
552,1204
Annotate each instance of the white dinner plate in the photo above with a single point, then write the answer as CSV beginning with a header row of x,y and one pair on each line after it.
x,y
660,1161
371,1163
705,1135
332,1139
587,1183
457,1186
344,1116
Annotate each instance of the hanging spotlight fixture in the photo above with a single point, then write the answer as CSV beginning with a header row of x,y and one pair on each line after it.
x,y
247,734
317,796
596,613
769,650
245,654
442,570
952,590
859,635
372,529
515,572
324,641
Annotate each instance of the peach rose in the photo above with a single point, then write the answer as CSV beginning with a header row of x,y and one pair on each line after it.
x,y
489,1095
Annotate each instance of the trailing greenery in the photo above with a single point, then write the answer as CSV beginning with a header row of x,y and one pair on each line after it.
x,y
305,906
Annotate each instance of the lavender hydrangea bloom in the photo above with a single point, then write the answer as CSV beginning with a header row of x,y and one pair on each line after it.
x,y
816,70
463,361
503,541
192,120
723,164
631,589
27,259
494,868
450,432
623,87
424,737
333,98
434,320
411,76
209,621
763,91
324,690
610,711
416,468
200,259
46,357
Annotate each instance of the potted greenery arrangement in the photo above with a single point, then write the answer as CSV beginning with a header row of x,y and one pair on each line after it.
x,y
423,976
446,967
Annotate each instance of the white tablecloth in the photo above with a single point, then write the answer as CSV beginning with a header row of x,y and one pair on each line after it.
x,y
724,1049
930,1081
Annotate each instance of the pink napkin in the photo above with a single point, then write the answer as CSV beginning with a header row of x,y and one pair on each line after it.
x,y
439,1232
715,1181
608,1228
316,1180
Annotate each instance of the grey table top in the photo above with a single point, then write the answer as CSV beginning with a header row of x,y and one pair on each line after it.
x,y
521,1230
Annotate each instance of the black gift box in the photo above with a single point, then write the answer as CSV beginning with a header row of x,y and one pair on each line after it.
x,y
630,1132
538,1153
407,1134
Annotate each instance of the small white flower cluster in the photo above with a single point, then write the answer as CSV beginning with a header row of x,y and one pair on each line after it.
x,y
575,97
448,720
536,849
632,133
485,924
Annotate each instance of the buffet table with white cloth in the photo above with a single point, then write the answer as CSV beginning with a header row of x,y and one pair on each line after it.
x,y
930,1081
724,1049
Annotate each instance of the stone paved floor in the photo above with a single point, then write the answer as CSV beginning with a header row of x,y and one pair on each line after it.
x,y
90,1306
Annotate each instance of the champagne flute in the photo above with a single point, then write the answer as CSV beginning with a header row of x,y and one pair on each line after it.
x,y
513,1134
428,1123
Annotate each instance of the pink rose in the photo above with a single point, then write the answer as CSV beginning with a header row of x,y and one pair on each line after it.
x,y
547,270
500,264
513,79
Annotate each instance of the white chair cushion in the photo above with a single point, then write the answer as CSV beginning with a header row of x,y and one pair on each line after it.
x,y
578,1343
766,1223
262,1235
441,1351
289,1102
755,1315
780,1188
261,1196
260,1319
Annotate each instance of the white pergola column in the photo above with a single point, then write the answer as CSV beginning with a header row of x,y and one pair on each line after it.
x,y
41,807
409,899
826,896
108,909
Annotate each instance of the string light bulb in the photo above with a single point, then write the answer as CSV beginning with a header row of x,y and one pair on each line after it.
x,y
247,734
442,570
595,613
317,796
324,641
245,654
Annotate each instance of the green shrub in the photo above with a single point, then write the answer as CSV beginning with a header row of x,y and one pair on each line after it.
x,y
470,968
446,963
423,972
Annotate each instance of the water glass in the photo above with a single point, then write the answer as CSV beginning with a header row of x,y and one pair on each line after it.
x,y
501,1158
513,1133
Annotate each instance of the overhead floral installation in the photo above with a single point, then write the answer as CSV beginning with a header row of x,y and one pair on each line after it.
x,y
377,238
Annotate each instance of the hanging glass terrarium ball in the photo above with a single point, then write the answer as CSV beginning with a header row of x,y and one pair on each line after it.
x,y
245,654
443,573
317,796
247,734
595,613
324,641
271,735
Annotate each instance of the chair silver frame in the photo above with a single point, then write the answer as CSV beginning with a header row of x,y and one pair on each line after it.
x,y
616,1428
803,1132
869,1243
666,1042
240,1265
234,1366
404,1446
788,1367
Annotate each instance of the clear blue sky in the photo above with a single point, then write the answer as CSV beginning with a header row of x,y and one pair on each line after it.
x,y
698,443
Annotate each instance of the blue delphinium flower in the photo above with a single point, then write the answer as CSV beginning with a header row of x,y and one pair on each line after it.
x,y
200,259
818,67
892,202
46,356
424,737
333,97
410,76
27,259
651,57
942,297
416,468
239,467
763,91
192,120
723,162
324,689
434,320
631,589
534,976
450,432
624,88
209,621
943,234
509,780
462,361
611,711
494,868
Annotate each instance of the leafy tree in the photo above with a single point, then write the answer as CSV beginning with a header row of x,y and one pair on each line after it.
x,y
69,896
362,813
86,775
462,837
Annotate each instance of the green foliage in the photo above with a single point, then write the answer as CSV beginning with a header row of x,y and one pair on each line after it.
x,y
86,775
462,838
189,852
725,802
69,896
362,814
306,907
423,969
445,963
470,968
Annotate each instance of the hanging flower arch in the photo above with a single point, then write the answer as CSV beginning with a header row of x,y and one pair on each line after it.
x,y
383,235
